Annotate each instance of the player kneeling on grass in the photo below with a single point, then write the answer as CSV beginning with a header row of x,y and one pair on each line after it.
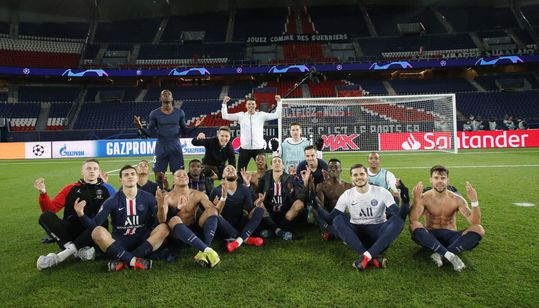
x,y
367,231
182,206
440,207
231,200
133,214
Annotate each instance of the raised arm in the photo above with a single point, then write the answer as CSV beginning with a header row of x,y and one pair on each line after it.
x,y
473,215
417,207
278,110
162,206
224,111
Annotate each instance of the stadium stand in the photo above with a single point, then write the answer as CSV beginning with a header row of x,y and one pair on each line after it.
x,y
214,26
22,116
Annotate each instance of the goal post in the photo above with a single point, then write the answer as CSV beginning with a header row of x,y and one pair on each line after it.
x,y
375,123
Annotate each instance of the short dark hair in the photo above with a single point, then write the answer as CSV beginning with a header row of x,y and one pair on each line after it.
x,y
224,128
192,161
334,160
250,99
295,123
355,166
309,147
439,169
91,160
126,167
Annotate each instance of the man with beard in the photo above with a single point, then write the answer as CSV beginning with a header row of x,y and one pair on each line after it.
x,y
440,207
232,200
328,192
251,128
219,150
183,204
144,183
168,123
197,179
366,231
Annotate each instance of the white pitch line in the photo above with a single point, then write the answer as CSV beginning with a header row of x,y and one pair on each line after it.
x,y
38,162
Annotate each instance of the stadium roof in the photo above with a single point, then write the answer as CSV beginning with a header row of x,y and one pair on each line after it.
x,y
27,10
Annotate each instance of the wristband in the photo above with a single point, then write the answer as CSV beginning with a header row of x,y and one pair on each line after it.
x,y
475,203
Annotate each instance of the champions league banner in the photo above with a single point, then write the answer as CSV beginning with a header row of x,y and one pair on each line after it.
x,y
297,38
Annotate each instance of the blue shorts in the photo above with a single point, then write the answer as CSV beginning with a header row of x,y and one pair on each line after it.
x,y
444,236
168,155
130,242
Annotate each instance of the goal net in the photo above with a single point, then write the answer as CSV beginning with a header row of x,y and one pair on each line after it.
x,y
375,123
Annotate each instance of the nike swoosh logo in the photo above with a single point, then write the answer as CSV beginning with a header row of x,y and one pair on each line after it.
x,y
121,209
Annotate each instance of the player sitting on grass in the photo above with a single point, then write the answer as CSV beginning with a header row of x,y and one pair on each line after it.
x,y
181,205
231,200
440,207
70,234
133,215
367,231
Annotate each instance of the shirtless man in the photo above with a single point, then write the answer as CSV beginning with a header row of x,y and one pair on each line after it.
x,y
440,207
328,192
183,204
261,168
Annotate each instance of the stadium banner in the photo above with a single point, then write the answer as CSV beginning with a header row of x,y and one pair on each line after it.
x,y
12,150
139,147
466,140
74,149
38,150
297,38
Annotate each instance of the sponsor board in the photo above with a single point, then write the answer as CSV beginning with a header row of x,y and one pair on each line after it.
x,y
38,150
73,149
12,150
465,140
140,147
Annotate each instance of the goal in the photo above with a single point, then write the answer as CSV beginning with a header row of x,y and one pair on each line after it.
x,y
375,123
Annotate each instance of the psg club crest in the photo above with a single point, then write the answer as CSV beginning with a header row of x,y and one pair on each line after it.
x,y
374,202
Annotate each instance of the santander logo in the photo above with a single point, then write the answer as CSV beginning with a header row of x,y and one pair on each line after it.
x,y
411,144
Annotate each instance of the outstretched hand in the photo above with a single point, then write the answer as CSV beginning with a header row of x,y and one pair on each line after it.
x,y
39,184
472,193
226,99
418,190
246,176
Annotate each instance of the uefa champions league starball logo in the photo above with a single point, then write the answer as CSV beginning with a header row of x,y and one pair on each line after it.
x,y
38,150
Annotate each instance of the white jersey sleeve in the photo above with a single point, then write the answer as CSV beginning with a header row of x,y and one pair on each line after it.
x,y
391,181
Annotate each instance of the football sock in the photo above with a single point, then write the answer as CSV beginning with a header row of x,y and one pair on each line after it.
x,y
187,236
427,240
209,229
252,223
116,251
347,234
466,242
143,250
390,231
226,228
69,250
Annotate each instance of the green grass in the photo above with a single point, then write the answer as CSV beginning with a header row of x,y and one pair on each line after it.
x,y
502,271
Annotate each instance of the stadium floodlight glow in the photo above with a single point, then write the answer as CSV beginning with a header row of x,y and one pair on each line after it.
x,y
375,123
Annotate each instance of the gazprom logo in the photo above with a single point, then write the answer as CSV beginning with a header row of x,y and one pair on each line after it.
x,y
64,152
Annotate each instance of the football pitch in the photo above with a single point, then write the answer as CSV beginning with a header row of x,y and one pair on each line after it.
x,y
502,271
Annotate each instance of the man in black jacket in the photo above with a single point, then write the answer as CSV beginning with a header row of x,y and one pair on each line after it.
x,y
219,150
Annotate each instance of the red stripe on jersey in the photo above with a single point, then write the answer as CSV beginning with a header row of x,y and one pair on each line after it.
x,y
131,208
277,189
